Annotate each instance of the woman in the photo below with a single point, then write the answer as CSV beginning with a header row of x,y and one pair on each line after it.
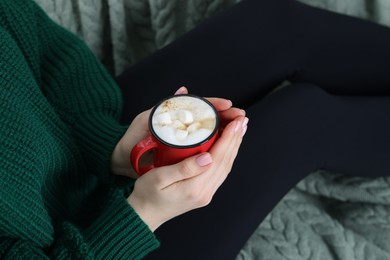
x,y
332,112
64,153
63,149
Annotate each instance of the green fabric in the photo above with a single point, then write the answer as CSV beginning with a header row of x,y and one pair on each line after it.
x,y
327,215
58,197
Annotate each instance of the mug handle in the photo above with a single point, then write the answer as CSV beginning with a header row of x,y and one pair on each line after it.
x,y
138,150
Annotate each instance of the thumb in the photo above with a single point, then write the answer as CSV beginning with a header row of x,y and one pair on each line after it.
x,y
181,90
186,169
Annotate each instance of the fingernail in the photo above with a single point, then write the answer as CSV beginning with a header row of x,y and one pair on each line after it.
x,y
246,120
181,90
244,130
238,126
204,159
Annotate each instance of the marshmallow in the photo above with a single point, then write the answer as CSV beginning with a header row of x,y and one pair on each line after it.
x,y
164,119
185,116
193,127
207,113
181,135
208,123
198,136
178,125
184,121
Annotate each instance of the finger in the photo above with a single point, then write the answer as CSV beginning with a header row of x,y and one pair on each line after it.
x,y
138,129
230,115
140,120
225,155
144,116
181,90
227,163
220,169
186,169
234,146
220,104
220,147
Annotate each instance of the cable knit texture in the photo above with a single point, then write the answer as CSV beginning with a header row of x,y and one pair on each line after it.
x,y
59,112
326,216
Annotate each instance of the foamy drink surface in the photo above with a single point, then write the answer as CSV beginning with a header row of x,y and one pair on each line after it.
x,y
184,120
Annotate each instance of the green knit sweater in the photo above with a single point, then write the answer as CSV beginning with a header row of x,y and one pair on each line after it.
x,y
59,112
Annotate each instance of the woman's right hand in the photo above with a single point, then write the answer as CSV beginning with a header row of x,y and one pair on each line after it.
x,y
166,192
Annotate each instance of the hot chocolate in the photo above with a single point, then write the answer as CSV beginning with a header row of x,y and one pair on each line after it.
x,y
184,120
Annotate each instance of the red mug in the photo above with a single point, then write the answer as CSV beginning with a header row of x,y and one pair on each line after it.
x,y
178,130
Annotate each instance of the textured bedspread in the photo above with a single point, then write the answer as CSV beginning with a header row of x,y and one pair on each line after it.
x,y
327,215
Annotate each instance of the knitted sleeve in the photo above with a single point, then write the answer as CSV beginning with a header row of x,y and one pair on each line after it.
x,y
74,81
83,94
70,242
82,102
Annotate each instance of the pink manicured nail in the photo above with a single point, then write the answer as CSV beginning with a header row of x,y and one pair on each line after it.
x,y
246,120
238,126
244,130
204,159
181,90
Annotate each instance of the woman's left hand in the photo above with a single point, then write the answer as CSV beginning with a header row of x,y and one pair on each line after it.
x,y
138,130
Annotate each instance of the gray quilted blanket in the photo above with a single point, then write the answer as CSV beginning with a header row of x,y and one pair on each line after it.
x,y
327,215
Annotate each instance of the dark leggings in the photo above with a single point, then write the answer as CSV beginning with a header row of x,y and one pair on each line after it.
x,y
335,114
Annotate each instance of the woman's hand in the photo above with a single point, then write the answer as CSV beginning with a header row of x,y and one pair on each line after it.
x,y
120,158
138,130
166,192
